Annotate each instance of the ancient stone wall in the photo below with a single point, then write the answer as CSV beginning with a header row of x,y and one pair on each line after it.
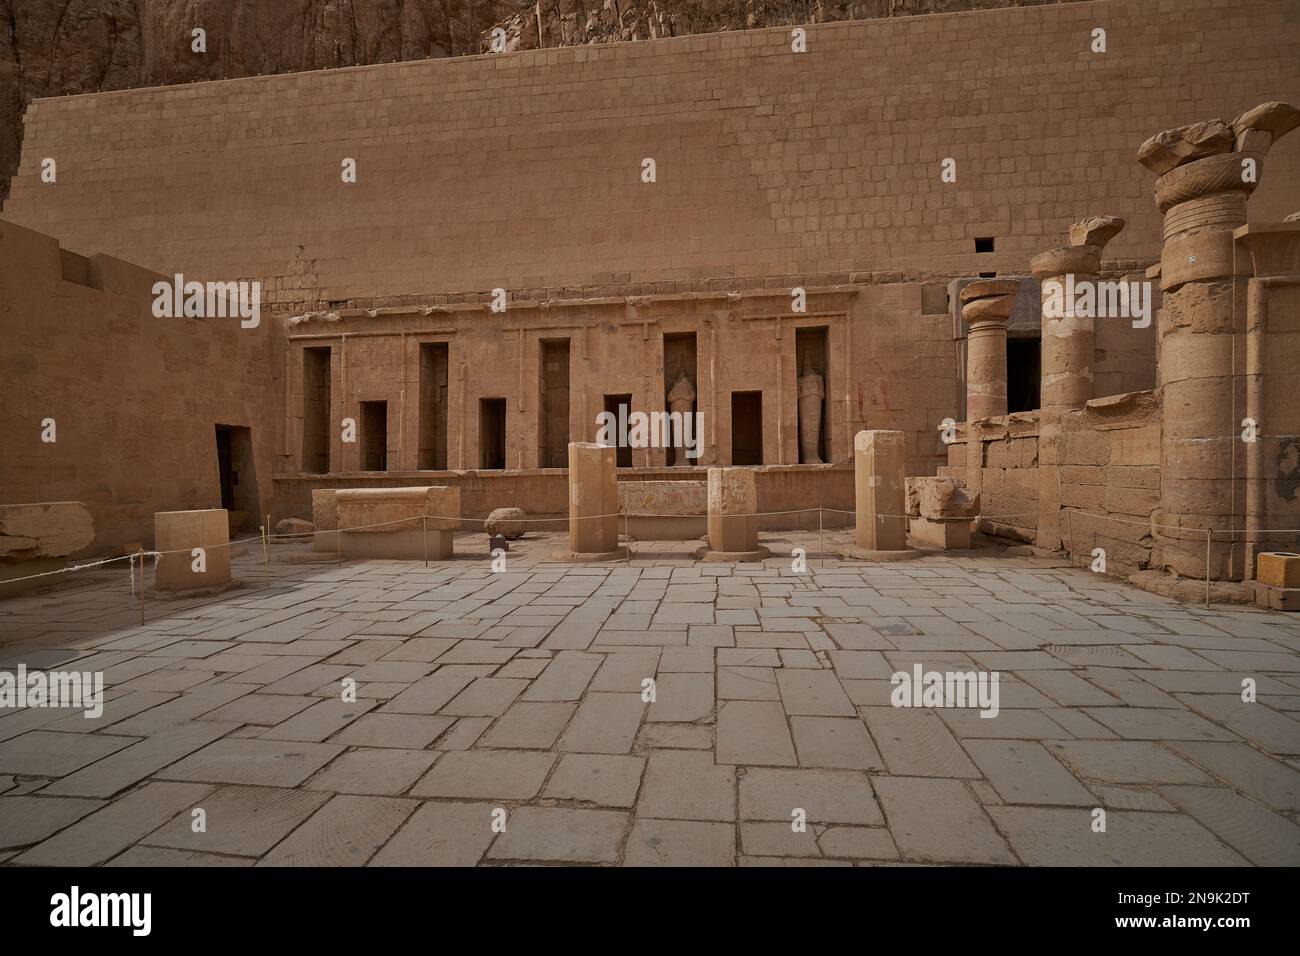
x,y
135,399
523,170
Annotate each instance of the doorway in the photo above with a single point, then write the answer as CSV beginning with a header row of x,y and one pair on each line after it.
x,y
492,433
747,428
612,403
374,436
235,475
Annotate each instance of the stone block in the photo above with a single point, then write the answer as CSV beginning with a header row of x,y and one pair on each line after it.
x,y
398,523
593,499
1278,569
325,517
945,533
940,498
733,507
50,529
177,534
664,510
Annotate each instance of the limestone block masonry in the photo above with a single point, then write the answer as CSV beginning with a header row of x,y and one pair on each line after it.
x,y
593,501
733,517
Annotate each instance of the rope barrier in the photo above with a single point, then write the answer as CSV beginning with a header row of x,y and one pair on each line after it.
x,y
264,536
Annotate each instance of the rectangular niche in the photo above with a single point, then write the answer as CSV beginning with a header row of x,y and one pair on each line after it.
x,y
553,405
812,354
680,360
433,406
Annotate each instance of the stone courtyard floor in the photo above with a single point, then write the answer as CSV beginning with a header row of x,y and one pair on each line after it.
x,y
516,697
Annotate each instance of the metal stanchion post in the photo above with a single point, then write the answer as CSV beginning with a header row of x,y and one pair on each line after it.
x,y
266,555
1209,533
821,541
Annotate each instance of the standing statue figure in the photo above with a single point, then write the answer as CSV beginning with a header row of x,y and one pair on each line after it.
x,y
681,402
812,389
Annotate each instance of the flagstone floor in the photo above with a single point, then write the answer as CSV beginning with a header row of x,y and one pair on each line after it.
x,y
501,717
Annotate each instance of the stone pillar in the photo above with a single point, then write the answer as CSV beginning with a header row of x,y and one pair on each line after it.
x,y
881,496
1067,332
593,501
181,532
1207,172
986,307
733,517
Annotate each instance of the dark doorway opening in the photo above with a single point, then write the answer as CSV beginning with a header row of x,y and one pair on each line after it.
x,y
374,436
235,474
316,410
1024,371
433,406
747,428
492,433
612,405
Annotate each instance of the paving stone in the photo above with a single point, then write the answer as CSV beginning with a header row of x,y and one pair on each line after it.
x,y
464,734
1141,723
603,779
826,796
266,710
404,731
623,671
485,697
344,832
1128,798
1007,725
195,703
675,737
374,770
1257,722
754,732
430,694
604,724
1047,837
561,834
1124,761
269,763
835,743
686,660
937,821
486,774
1068,689
747,683
859,843
777,839
109,831
914,742
687,785
131,765
529,726
1022,771
1259,834
30,819
565,678
159,856
813,693
244,821
440,834
43,753
319,721
680,843
1248,770
711,635
681,698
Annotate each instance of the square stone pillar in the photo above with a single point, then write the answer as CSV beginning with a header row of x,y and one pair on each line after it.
x,y
733,517
593,500
180,532
881,496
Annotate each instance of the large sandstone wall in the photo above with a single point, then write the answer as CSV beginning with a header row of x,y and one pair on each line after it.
x,y
135,399
523,170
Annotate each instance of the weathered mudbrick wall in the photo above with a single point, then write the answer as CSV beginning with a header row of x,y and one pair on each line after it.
x,y
135,399
523,170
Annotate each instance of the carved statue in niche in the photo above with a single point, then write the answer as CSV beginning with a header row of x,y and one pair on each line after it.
x,y
812,390
681,400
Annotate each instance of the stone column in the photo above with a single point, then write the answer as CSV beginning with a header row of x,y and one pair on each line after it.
x,y
1207,172
881,496
593,501
733,517
986,307
1067,332
180,532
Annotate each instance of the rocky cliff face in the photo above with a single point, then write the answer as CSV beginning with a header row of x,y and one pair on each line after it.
x,y
54,47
